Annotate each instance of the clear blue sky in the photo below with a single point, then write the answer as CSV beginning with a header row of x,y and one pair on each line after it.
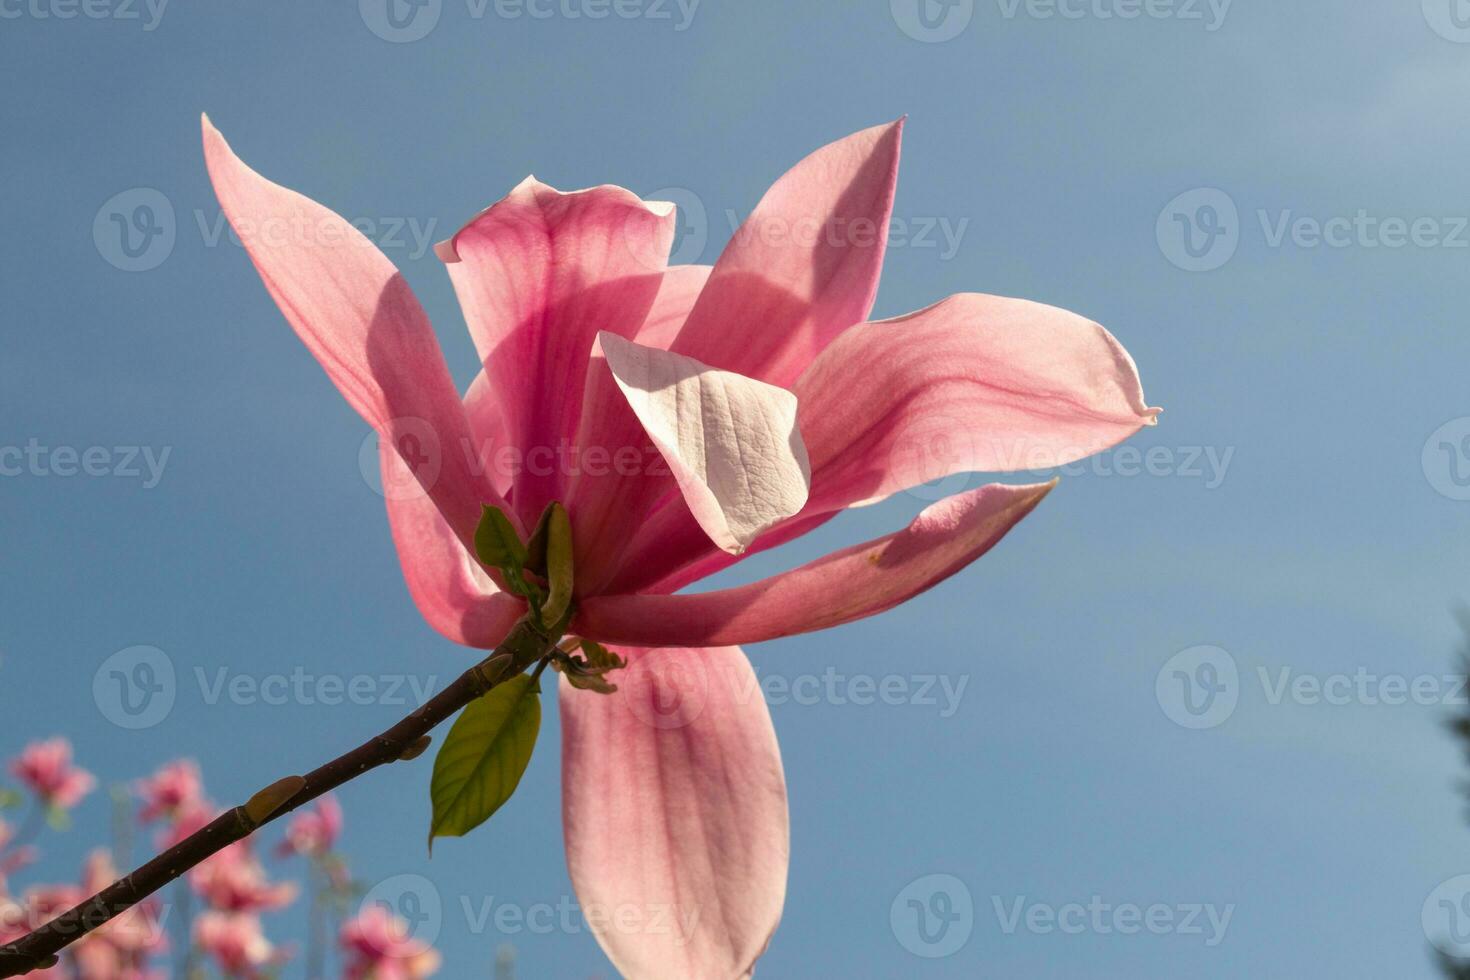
x,y
1051,148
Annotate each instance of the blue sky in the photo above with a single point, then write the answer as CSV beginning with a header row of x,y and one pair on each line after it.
x,y
1304,516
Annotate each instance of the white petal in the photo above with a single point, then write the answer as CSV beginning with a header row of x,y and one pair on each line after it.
x,y
731,441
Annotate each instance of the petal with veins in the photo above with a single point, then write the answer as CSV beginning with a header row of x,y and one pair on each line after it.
x,y
731,442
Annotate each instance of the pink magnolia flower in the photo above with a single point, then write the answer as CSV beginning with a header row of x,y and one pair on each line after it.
x,y
187,821
46,770
235,881
175,790
687,416
120,949
378,946
237,944
314,832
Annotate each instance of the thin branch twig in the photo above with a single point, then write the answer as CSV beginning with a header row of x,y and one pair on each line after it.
x,y
526,644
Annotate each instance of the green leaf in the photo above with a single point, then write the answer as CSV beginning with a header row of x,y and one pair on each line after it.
x,y
588,673
536,544
10,799
482,759
558,565
496,541
58,819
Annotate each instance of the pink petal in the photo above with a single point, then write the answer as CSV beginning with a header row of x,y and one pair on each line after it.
x,y
804,266
674,810
355,313
846,585
538,275
452,590
972,384
731,442
677,294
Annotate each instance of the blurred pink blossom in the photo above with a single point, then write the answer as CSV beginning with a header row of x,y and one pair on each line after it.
x,y
234,881
378,947
313,833
46,770
172,791
236,943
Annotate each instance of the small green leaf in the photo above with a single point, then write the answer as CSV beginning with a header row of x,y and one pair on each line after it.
x,y
10,799
536,545
58,819
496,541
588,673
558,565
482,759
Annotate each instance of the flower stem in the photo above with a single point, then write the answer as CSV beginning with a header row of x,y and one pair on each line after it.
x,y
526,643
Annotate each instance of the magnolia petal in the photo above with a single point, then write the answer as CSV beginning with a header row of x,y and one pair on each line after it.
x,y
972,384
851,584
731,441
352,309
804,266
538,275
674,799
677,294
452,590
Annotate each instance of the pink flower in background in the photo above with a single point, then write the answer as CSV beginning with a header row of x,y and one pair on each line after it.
x,y
14,860
46,770
687,416
314,832
173,791
187,822
236,943
119,950
235,881
378,947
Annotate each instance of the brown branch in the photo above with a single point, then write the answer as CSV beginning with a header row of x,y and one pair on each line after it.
x,y
526,644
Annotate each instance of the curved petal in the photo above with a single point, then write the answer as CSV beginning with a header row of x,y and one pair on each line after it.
x,y
677,294
851,584
804,266
674,811
452,591
538,275
353,310
972,384
731,442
